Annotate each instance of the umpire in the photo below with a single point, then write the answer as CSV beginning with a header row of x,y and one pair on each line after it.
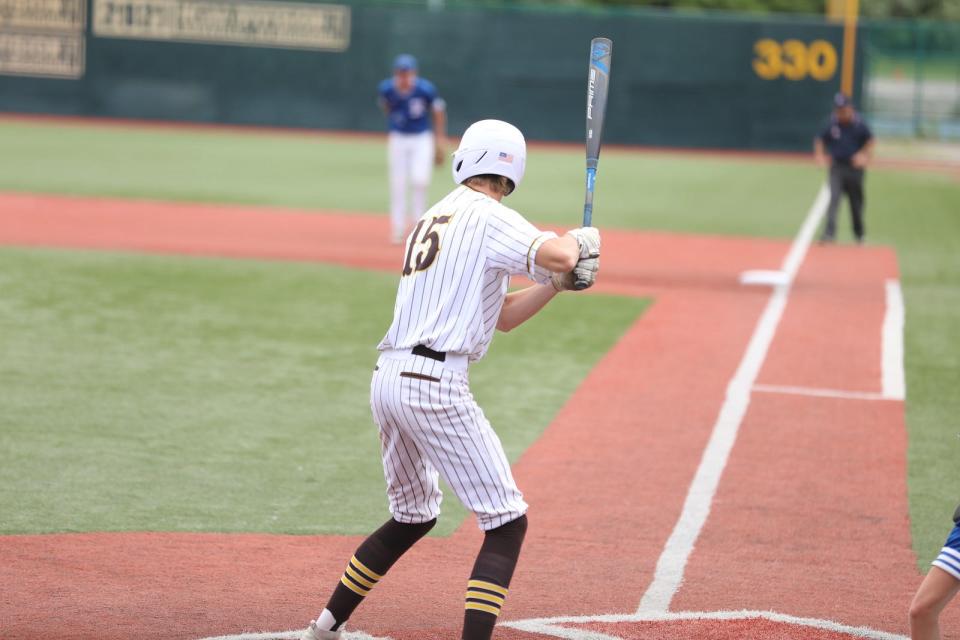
x,y
849,142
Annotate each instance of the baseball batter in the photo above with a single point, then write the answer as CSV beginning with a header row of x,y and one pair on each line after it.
x,y
453,293
417,119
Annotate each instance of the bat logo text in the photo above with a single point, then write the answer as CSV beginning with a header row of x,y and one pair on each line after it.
x,y
590,93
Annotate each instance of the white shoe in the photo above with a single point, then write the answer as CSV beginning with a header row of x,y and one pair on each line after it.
x,y
312,633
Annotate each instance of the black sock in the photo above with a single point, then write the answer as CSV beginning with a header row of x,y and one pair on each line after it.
x,y
371,562
490,578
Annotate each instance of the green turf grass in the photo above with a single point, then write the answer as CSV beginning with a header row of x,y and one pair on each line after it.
x,y
680,192
185,394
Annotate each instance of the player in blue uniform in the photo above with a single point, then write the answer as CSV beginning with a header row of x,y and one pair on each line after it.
x,y
849,143
938,588
416,117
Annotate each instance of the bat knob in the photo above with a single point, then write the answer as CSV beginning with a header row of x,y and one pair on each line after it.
x,y
580,285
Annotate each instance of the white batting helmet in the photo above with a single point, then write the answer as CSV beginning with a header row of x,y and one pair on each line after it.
x,y
490,146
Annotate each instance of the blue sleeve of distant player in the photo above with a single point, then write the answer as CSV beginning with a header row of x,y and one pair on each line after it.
x,y
428,90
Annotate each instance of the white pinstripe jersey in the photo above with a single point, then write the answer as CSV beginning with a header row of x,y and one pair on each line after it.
x,y
456,270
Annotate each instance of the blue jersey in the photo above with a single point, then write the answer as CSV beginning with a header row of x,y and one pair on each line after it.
x,y
844,140
410,112
949,558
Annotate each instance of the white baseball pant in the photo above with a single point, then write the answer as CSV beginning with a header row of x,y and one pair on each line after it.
x,y
410,159
430,425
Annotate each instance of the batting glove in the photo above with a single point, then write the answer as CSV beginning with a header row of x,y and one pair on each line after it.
x,y
585,273
588,240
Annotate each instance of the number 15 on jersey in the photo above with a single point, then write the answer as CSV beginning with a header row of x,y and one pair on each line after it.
x,y
425,247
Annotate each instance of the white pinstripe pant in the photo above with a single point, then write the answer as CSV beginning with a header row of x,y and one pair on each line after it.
x,y
430,425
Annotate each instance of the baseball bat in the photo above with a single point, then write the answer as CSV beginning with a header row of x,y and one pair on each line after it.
x,y
598,84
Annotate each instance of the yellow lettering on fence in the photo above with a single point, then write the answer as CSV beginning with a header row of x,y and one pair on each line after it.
x,y
822,58
794,59
769,61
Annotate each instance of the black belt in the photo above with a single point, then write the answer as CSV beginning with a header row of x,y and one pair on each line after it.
x,y
427,352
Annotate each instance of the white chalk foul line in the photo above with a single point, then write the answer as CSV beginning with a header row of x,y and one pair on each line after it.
x,y
553,626
696,507
894,384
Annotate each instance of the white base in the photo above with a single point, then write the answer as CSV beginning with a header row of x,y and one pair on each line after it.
x,y
767,277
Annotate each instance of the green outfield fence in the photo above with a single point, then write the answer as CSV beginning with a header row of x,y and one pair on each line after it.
x,y
912,85
687,80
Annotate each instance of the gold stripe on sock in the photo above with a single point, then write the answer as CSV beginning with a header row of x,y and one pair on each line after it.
x,y
489,597
476,606
489,586
360,591
359,578
362,567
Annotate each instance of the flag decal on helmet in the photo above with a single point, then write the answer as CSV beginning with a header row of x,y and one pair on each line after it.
x,y
506,157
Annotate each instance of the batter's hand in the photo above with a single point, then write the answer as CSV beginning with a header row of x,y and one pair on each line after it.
x,y
585,272
563,281
588,241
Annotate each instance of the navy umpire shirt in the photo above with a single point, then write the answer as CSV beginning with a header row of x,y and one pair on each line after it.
x,y
844,140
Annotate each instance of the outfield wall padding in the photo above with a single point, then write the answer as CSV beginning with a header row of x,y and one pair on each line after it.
x,y
742,83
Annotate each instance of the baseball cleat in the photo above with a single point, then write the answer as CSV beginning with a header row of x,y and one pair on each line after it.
x,y
312,633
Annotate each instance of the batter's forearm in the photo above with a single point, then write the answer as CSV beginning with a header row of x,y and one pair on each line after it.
x,y
559,255
520,306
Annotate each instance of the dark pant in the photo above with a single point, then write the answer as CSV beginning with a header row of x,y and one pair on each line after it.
x,y
845,179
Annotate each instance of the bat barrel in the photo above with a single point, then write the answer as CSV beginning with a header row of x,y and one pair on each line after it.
x,y
598,82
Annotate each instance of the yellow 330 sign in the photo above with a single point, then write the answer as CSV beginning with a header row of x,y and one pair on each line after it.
x,y
794,59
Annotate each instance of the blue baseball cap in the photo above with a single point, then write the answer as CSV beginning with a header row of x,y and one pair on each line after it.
x,y
841,99
405,62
